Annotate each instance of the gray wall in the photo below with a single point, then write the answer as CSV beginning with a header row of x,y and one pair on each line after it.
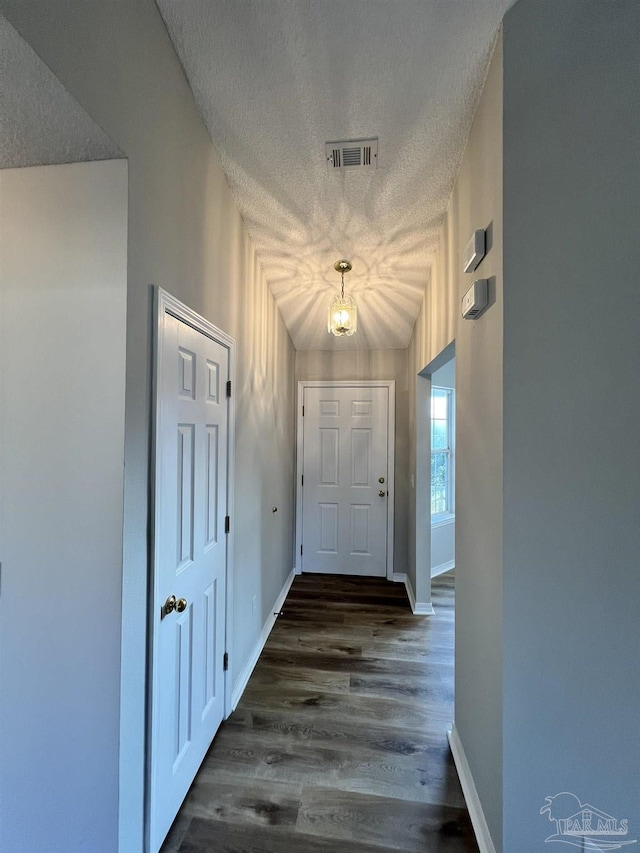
x,y
443,546
445,376
364,365
571,411
186,235
547,684
476,202
63,243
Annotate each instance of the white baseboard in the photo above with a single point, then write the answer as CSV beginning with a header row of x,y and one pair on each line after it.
x,y
245,675
478,821
399,577
418,608
442,568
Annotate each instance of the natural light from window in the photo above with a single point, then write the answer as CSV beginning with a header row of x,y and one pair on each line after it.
x,y
442,502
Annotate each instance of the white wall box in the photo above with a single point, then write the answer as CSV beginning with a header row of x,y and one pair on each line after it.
x,y
474,251
475,299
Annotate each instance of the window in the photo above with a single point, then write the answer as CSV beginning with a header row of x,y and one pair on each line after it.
x,y
442,498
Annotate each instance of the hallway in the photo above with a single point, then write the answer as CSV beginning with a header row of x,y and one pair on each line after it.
x,y
339,742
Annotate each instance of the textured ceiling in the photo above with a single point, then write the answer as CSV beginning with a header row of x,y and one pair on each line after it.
x,y
276,79
40,122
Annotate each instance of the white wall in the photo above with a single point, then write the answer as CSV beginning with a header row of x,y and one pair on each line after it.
x,y
366,365
571,411
186,235
476,202
63,247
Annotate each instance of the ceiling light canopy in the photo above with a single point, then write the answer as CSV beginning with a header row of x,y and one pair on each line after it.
x,y
343,314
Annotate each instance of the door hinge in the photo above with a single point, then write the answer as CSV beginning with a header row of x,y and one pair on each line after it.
x,y
227,524
303,411
301,550
302,480
228,388
225,661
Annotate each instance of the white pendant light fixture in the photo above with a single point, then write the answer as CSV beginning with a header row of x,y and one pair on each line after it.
x,y
343,314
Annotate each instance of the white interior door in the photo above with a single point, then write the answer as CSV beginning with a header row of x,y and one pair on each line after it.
x,y
345,491
190,563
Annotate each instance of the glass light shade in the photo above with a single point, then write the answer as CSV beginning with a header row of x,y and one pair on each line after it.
x,y
343,316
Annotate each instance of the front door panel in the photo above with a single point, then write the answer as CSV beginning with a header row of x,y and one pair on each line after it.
x,y
344,518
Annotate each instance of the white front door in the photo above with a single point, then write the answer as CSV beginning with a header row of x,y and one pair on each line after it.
x,y
187,701
345,480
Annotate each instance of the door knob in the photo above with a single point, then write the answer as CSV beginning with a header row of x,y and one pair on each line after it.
x,y
171,604
381,493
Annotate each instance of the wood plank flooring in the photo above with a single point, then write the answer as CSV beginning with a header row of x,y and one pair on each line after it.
x,y
339,743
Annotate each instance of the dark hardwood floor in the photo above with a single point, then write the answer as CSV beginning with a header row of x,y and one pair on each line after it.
x,y
339,743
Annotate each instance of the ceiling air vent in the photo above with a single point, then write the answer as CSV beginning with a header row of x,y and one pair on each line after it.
x,y
352,155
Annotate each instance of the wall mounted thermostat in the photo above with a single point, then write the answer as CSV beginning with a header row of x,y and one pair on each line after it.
x,y
474,251
475,299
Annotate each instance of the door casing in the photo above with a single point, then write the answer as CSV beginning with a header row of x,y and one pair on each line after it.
x,y
390,385
166,303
